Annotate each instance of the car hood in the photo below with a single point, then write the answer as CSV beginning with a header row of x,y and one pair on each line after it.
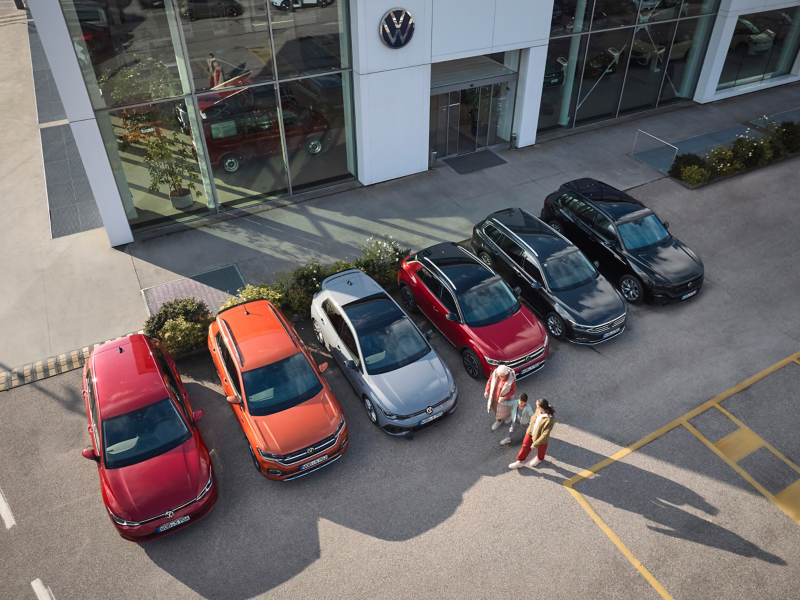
x,y
301,426
151,488
517,336
592,304
668,262
414,387
761,38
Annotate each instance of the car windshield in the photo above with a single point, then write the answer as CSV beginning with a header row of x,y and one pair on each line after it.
x,y
642,232
387,338
568,271
487,303
281,385
142,434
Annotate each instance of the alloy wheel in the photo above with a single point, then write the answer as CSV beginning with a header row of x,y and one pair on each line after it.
x,y
373,416
487,260
471,365
407,298
630,289
314,146
231,164
555,326
556,226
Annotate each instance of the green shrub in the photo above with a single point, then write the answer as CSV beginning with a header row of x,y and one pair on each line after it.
x,y
181,336
789,135
682,161
190,309
272,292
751,152
381,259
299,285
694,175
720,162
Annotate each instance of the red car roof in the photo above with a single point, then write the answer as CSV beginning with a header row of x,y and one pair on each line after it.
x,y
127,380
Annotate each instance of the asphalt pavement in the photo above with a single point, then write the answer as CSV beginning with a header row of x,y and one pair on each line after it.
x,y
441,515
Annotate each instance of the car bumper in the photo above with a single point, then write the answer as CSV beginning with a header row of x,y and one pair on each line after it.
x,y
660,296
414,424
278,472
149,531
529,368
591,339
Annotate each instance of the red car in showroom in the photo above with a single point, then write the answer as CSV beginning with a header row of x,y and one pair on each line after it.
x,y
474,309
155,471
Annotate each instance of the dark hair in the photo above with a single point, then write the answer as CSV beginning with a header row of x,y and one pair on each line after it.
x,y
545,406
523,397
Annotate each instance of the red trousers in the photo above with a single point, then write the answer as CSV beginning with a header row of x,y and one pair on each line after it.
x,y
527,444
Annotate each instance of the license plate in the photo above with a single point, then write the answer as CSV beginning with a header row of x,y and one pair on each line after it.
x,y
431,418
689,295
171,524
147,130
314,462
612,332
531,368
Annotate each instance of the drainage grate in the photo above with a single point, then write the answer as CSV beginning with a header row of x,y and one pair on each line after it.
x,y
212,287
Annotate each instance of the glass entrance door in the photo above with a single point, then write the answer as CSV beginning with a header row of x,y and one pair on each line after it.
x,y
471,119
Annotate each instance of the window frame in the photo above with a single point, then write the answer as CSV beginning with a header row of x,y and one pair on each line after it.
x,y
94,411
172,381
224,351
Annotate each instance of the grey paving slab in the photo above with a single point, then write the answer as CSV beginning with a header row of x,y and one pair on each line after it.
x,y
771,409
60,195
769,470
714,425
89,215
65,221
212,287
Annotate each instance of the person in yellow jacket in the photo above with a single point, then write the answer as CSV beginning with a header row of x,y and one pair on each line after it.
x,y
537,436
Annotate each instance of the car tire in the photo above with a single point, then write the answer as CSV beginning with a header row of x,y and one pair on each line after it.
x,y
486,259
314,145
190,14
555,225
322,3
472,364
255,460
555,326
231,12
285,6
631,288
318,333
372,412
231,163
408,300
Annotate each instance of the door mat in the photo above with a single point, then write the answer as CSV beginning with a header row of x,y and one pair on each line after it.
x,y
469,163
212,287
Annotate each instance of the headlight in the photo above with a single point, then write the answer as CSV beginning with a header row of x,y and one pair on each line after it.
x,y
268,456
122,522
340,427
493,362
453,390
388,415
208,486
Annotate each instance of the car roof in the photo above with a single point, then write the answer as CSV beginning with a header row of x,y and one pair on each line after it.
x,y
616,203
373,311
351,285
534,233
462,271
259,336
128,380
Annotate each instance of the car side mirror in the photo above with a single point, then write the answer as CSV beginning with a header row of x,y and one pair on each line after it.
x,y
429,334
197,415
517,291
596,264
666,224
233,399
536,285
90,454
322,367
452,317
350,364
609,243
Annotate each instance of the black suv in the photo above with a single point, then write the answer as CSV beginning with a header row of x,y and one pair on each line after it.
x,y
556,279
630,245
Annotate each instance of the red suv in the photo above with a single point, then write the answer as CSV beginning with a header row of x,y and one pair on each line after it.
x,y
474,309
155,470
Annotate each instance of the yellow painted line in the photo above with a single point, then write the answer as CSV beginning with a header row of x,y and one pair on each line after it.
x,y
739,444
789,501
618,542
260,52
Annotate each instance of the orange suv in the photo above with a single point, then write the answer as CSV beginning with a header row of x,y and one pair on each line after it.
x,y
293,422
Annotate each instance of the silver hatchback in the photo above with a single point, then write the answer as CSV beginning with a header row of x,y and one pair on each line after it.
x,y
402,382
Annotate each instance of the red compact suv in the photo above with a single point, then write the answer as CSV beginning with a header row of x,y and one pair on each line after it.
x,y
155,471
474,309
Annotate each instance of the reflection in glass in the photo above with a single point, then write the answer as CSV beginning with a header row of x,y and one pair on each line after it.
x,y
310,37
603,75
686,59
663,10
571,16
618,13
317,118
152,153
651,48
243,136
561,82
127,55
501,112
227,41
693,8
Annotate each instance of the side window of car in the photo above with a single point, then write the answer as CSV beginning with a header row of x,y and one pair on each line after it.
x,y
230,366
512,249
532,270
447,299
93,414
604,227
584,212
334,316
172,382
350,343
493,233
431,282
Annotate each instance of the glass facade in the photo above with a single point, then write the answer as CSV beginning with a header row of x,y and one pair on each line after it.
x,y
610,58
205,105
763,45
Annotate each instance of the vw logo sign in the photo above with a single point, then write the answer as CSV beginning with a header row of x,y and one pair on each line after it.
x,y
397,28
169,514
429,410
310,451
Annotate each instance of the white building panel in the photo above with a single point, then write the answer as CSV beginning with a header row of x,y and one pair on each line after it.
x,y
462,28
521,24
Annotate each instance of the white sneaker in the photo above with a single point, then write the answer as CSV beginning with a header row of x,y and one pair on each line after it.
x,y
495,425
505,441
507,420
533,462
515,465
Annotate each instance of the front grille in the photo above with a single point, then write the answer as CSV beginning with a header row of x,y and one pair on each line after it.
x,y
424,410
301,455
513,364
604,327
679,290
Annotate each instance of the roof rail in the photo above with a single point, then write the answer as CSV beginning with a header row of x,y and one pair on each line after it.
x,y
232,340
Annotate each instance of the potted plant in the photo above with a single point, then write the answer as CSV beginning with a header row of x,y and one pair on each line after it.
x,y
169,157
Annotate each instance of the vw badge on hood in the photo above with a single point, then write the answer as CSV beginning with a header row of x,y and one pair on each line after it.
x,y
397,28
429,410
310,450
169,514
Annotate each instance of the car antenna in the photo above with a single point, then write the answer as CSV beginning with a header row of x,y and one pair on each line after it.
x,y
121,350
349,282
245,310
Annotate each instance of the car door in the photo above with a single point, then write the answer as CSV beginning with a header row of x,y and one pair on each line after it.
x,y
491,243
172,380
539,299
583,216
331,324
438,303
231,382
349,350
562,208
612,261
513,260
427,292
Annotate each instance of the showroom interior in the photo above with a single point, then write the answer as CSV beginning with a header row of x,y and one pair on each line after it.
x,y
181,110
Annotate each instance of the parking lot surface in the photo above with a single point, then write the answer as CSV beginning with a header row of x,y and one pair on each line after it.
x,y
441,515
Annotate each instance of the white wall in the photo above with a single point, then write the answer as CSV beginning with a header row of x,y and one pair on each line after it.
x,y
529,94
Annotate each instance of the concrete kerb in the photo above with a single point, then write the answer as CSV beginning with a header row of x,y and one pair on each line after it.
x,y
49,367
